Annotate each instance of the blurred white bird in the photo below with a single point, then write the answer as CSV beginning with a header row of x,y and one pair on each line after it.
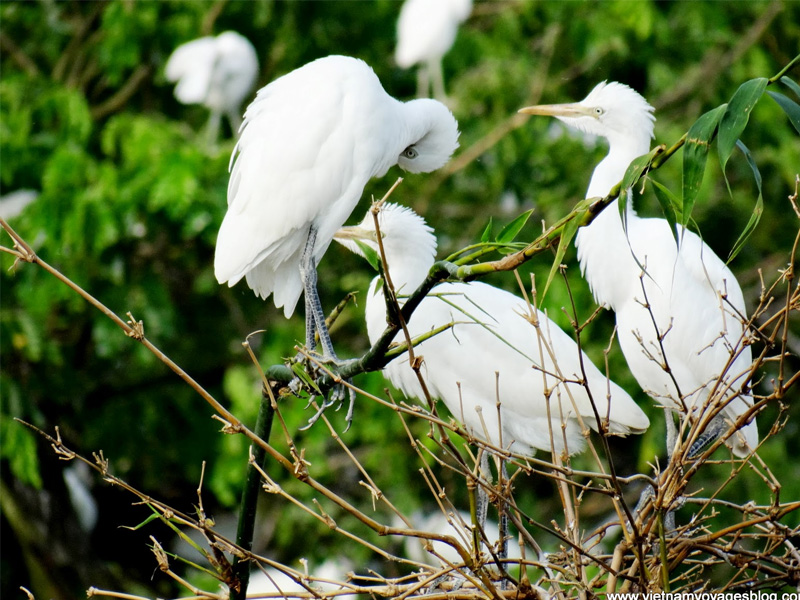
x,y
310,142
217,72
491,349
694,324
278,584
426,30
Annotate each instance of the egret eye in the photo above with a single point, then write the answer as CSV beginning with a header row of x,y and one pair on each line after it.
x,y
598,111
410,152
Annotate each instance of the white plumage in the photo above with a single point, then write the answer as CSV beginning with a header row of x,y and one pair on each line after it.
x,y
426,30
490,336
217,72
694,298
310,142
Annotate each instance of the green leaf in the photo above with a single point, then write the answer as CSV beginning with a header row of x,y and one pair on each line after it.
x,y
510,231
670,206
487,232
567,233
791,84
758,209
695,152
737,115
789,106
298,370
370,254
637,168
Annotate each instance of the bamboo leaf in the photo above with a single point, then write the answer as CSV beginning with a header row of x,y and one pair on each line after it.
x,y
789,106
791,84
695,152
758,209
737,115
567,233
510,231
298,370
670,206
369,253
637,168
487,232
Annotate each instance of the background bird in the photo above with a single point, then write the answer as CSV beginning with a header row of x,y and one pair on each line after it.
x,y
426,30
688,310
217,72
310,142
490,336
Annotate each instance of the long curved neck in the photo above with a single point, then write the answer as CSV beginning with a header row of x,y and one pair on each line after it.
x,y
602,245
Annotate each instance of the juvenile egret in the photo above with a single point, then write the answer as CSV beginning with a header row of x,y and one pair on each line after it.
x,y
310,142
491,349
426,30
217,72
686,312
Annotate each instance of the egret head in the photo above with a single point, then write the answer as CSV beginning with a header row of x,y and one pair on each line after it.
x,y
405,236
430,138
611,110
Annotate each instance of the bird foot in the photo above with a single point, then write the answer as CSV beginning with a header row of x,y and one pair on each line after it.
x,y
326,388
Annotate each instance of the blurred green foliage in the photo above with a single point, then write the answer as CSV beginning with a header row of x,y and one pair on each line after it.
x,y
130,201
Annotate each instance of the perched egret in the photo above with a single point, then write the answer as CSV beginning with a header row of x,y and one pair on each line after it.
x,y
310,142
492,349
681,322
217,72
426,30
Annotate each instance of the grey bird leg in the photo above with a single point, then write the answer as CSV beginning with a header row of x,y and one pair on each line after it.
x,y
315,323
483,508
212,129
715,429
308,272
672,432
502,551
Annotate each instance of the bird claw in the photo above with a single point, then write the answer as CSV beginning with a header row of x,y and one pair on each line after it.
x,y
335,392
336,396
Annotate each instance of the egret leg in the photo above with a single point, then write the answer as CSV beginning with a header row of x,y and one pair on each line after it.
x,y
423,80
715,428
437,80
672,432
502,551
308,272
483,509
236,122
212,128
315,323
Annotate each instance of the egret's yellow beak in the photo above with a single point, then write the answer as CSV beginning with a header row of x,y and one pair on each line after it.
x,y
354,232
558,110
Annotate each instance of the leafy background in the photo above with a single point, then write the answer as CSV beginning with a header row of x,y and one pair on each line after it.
x,y
130,201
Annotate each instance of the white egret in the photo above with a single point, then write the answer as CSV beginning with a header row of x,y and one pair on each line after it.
x,y
426,30
310,142
680,325
491,350
492,353
217,72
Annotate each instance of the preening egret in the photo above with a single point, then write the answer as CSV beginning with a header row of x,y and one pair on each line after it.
x,y
217,72
426,30
310,142
539,368
687,311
